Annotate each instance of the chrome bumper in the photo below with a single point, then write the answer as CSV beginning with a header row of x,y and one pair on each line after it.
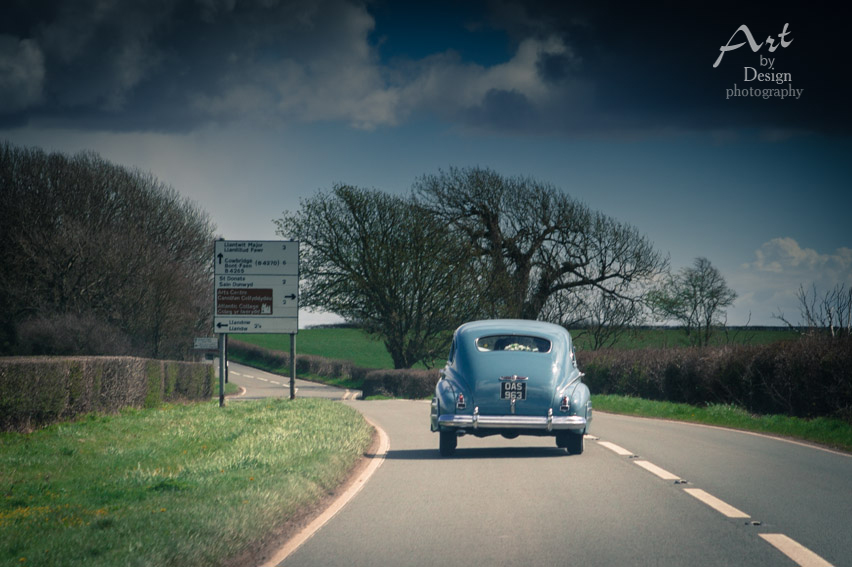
x,y
548,423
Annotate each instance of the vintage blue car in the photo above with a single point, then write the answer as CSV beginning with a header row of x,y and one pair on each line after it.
x,y
511,377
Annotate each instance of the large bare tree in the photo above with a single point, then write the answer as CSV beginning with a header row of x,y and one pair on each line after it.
x,y
538,250
380,260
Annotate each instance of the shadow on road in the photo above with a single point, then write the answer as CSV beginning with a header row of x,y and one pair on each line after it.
x,y
474,453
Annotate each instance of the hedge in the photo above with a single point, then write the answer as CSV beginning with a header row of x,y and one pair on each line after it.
x,y
810,377
37,391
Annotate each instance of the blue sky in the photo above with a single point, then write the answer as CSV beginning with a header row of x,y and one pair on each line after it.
x,y
247,106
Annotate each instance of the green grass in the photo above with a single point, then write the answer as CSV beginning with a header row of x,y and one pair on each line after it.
x,y
341,343
230,389
830,432
179,485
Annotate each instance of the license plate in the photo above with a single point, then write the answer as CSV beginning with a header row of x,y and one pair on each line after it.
x,y
513,390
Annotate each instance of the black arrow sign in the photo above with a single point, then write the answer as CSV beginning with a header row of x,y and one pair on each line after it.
x,y
291,296
220,256
220,325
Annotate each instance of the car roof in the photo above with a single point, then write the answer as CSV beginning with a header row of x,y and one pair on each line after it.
x,y
511,327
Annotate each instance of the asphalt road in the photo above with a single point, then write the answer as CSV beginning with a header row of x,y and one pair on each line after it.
x,y
645,492
259,384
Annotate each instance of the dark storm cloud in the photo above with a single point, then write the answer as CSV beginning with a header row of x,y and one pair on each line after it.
x,y
651,63
574,66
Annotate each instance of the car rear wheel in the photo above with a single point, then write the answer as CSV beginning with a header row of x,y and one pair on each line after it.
x,y
576,443
449,441
573,442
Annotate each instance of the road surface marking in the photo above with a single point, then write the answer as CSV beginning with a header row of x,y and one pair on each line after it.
x,y
753,433
718,505
303,536
616,448
652,468
795,551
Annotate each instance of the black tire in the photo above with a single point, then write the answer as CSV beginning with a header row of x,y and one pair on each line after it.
x,y
575,443
449,441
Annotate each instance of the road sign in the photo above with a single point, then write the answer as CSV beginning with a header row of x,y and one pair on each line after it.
x,y
206,343
256,286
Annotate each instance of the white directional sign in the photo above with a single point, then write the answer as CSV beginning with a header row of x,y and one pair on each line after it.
x,y
256,286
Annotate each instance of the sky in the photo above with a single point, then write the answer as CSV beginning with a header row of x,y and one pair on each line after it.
x,y
718,129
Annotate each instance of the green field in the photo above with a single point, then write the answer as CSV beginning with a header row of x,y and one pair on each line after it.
x,y
364,350
341,343
186,485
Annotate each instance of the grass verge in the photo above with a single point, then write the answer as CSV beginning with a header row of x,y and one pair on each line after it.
x,y
178,485
833,433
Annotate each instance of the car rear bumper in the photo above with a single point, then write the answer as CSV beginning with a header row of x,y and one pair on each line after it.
x,y
546,423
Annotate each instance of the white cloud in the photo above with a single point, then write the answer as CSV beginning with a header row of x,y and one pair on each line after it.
x,y
768,285
784,256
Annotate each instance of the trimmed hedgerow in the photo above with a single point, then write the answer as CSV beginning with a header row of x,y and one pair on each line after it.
x,y
810,377
36,391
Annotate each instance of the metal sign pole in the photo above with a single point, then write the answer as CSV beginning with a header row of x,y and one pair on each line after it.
x,y
223,364
292,366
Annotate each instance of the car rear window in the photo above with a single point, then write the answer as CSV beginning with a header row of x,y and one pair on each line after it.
x,y
520,343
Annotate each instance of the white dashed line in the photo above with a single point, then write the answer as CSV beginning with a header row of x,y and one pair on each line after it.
x,y
652,468
720,506
795,551
618,450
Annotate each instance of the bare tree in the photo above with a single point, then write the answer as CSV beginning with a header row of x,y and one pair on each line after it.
x,y
382,261
537,249
696,297
832,312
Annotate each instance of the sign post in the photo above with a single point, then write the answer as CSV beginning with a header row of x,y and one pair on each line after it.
x,y
256,290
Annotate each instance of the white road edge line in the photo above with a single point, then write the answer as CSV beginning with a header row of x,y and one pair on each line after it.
x,y
356,486
652,468
800,554
720,506
618,450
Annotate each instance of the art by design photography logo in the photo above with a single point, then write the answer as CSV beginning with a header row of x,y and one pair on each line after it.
x,y
768,73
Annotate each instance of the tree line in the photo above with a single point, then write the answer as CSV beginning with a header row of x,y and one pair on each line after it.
x,y
98,259
468,243
101,259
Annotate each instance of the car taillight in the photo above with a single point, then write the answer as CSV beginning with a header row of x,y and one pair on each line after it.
x,y
566,404
460,403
